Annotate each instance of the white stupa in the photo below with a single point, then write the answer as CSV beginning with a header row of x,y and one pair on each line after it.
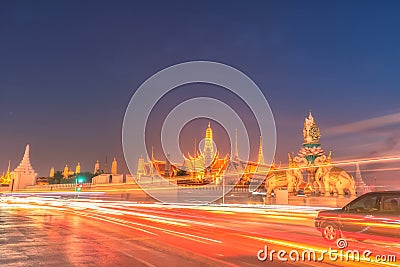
x,y
24,174
361,186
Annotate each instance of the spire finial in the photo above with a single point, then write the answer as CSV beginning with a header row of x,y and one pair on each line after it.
x,y
26,159
236,146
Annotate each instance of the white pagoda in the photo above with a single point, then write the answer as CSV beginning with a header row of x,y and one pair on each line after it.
x,y
361,186
23,175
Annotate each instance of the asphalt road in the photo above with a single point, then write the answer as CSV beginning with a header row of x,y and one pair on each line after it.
x,y
79,232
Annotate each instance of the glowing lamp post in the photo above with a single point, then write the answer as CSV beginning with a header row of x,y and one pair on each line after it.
x,y
79,184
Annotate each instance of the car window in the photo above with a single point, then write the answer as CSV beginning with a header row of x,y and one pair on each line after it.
x,y
391,204
368,203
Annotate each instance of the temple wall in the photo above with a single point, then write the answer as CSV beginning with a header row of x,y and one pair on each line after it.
x,y
108,178
20,180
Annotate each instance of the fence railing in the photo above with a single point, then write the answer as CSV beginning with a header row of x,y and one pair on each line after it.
x,y
56,186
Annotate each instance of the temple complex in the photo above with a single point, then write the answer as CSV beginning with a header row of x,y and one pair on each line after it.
x,y
23,175
206,166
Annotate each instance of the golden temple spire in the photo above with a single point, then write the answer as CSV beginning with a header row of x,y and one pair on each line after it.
x,y
236,157
114,166
66,172
260,159
78,168
209,135
51,172
6,178
96,167
208,150
8,169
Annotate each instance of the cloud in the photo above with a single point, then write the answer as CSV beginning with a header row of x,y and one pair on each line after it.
x,y
365,125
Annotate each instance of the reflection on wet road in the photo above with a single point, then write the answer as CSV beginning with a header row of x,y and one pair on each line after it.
x,y
54,232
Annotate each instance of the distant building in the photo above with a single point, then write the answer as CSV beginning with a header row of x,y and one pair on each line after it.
x,y
108,178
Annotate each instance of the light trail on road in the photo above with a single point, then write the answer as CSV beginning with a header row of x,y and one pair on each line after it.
x,y
230,235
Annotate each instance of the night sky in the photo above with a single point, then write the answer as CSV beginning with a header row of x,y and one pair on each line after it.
x,y
69,68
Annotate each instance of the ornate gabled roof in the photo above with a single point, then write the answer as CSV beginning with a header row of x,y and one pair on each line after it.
x,y
25,165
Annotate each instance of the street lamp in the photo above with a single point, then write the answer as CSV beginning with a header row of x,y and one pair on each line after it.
x,y
79,184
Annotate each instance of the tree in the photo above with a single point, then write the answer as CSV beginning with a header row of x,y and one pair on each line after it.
x,y
58,177
86,177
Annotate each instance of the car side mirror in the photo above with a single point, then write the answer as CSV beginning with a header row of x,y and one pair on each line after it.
x,y
346,208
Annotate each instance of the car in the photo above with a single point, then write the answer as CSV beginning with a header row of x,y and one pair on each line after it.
x,y
374,215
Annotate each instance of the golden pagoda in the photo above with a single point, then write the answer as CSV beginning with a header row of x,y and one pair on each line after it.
x,y
52,172
66,172
78,168
114,166
6,178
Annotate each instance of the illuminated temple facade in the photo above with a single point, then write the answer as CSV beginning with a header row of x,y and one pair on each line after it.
x,y
207,164
204,167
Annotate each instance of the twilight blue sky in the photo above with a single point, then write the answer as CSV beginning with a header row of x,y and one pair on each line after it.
x,y
68,70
